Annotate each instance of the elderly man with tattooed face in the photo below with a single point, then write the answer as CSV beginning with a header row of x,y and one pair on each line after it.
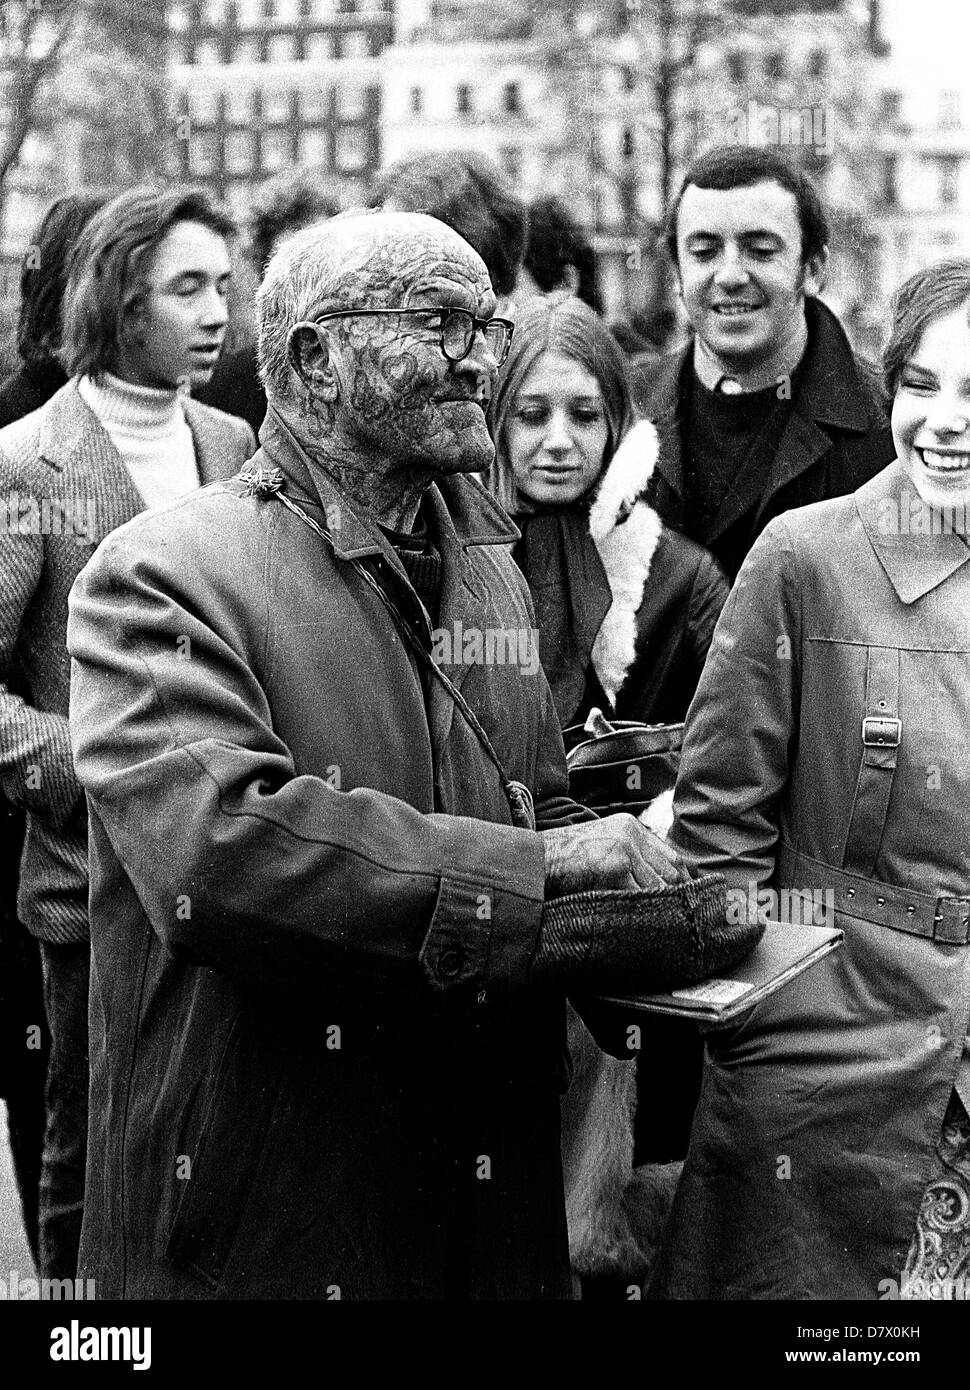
x,y
330,943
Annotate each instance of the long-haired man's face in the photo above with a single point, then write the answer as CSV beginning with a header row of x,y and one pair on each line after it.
x,y
172,335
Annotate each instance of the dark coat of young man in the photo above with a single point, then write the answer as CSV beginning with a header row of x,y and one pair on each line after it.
x,y
767,407
116,438
327,1006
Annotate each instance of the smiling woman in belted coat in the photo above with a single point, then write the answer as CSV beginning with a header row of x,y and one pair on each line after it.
x,y
827,749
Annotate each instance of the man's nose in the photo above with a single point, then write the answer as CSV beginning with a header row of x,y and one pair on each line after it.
x,y
214,308
731,268
479,362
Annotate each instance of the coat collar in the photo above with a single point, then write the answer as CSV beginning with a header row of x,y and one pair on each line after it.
x,y
476,517
830,393
900,529
70,427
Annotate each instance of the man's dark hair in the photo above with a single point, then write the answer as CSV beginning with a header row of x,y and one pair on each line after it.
x,y
470,193
284,204
43,275
742,166
556,242
103,276
928,295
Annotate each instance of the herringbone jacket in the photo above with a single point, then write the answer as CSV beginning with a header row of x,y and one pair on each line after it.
x,y
63,488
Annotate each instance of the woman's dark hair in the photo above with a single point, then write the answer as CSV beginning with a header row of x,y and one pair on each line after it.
x,y
925,296
556,242
564,325
742,166
103,276
471,194
43,275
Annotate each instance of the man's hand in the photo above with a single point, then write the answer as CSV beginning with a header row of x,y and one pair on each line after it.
x,y
615,852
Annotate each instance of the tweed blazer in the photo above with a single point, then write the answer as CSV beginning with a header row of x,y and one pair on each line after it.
x,y
63,488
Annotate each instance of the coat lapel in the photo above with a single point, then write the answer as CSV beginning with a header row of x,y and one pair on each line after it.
x,y
214,459
73,441
914,543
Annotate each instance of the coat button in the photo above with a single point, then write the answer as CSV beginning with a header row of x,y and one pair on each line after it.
x,y
850,892
880,902
449,963
910,910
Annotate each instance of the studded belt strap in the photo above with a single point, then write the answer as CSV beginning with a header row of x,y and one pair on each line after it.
x,y
942,919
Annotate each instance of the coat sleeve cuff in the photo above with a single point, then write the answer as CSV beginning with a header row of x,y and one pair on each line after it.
x,y
482,936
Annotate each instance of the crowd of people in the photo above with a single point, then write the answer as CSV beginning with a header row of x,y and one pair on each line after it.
x,y
305,926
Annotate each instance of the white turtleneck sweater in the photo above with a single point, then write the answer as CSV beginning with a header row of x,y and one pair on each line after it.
x,y
148,428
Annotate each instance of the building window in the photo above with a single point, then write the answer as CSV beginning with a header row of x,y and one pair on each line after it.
x,y
355,45
512,163
890,184
208,51
775,65
277,150
280,49
288,11
629,147
818,62
949,176
277,105
315,103
351,148
949,111
629,79
512,99
202,152
890,107
178,18
737,65
463,99
214,13
248,13
318,48
416,101
239,152
351,101
324,9
247,51
203,104
238,104
314,147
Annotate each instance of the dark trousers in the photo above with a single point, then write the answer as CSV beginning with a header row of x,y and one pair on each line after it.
x,y
24,1040
66,975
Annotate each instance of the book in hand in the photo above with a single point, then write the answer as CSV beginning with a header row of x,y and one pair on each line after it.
x,y
782,953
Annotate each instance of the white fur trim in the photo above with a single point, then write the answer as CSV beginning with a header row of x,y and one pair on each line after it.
x,y
627,553
659,815
626,548
626,479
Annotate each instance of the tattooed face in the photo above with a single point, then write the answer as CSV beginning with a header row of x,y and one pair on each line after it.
x,y
396,400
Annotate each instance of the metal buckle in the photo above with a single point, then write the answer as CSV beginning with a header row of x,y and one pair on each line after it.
x,y
878,732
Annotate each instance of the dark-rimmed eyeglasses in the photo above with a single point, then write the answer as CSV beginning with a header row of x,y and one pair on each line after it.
x,y
457,328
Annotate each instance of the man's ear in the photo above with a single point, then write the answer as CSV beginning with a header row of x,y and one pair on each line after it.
x,y
815,272
312,360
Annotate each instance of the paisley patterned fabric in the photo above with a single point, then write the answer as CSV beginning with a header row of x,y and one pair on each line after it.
x,y
938,1264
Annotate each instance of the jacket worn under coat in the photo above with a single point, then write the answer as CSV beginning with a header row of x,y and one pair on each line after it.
x,y
837,436
65,488
821,1108
311,912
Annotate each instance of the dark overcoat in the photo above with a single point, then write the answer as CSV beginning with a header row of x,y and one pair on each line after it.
x,y
314,1070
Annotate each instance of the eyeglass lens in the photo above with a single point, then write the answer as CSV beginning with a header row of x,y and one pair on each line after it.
x,y
458,330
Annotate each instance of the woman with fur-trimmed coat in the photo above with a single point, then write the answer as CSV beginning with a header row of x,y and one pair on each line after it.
x,y
625,611
625,607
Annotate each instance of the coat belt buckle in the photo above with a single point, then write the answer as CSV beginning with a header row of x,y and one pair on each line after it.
x,y
951,925
878,732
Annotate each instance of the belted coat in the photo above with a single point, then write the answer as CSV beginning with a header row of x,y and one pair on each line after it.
x,y
826,749
315,1072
